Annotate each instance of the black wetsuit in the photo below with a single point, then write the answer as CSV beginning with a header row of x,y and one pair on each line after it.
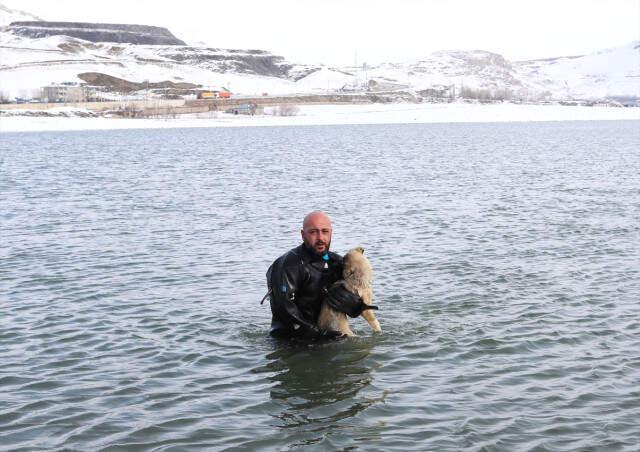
x,y
296,283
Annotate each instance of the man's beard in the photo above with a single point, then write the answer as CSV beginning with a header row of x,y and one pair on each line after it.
x,y
327,246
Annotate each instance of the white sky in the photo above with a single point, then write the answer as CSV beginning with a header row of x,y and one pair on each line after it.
x,y
348,31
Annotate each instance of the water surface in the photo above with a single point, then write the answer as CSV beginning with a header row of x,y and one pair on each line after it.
x,y
506,258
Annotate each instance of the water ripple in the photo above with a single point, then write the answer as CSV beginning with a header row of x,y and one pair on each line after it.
x,y
507,265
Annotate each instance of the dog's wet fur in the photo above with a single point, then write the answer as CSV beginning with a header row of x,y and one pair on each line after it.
x,y
357,277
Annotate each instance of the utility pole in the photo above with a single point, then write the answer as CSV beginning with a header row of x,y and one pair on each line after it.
x,y
355,67
366,78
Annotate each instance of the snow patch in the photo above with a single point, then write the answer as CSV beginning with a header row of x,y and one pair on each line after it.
x,y
337,114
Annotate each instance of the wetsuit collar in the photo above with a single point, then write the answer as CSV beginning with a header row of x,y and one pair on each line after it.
x,y
313,256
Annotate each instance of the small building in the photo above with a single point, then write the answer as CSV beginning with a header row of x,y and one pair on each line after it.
x,y
246,109
93,93
63,92
71,92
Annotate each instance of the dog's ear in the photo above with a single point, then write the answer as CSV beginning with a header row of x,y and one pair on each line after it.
x,y
360,249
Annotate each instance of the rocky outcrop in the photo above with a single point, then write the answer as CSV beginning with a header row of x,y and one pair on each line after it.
x,y
125,86
132,34
257,62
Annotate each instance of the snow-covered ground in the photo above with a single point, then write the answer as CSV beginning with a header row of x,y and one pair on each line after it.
x,y
336,114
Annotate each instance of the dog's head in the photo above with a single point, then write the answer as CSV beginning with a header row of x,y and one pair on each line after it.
x,y
356,265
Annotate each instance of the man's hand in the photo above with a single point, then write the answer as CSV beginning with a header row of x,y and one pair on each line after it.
x,y
341,300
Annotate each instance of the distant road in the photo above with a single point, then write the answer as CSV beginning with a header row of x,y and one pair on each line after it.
x,y
188,106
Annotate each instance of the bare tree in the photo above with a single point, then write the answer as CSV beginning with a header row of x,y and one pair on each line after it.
x,y
286,110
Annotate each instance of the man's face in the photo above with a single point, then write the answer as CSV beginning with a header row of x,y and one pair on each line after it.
x,y
316,233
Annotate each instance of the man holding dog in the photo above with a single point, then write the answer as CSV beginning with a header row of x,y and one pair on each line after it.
x,y
298,280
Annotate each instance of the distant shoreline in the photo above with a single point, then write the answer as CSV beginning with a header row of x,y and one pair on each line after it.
x,y
396,113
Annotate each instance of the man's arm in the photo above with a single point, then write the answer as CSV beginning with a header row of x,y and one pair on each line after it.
x,y
285,277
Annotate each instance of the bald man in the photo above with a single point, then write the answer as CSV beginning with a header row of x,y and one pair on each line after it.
x,y
297,280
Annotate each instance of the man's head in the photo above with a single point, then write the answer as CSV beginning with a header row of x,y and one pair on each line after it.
x,y
316,231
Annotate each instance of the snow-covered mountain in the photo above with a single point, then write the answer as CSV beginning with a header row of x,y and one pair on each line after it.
x,y
37,56
607,74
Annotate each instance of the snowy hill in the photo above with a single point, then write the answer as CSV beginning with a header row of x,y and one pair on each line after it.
x,y
37,54
29,61
452,72
27,64
607,74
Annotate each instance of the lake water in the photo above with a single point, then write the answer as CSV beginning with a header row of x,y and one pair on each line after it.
x,y
507,271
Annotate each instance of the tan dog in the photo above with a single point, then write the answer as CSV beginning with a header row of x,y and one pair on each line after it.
x,y
357,278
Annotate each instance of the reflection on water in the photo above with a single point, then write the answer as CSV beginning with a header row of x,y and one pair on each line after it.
x,y
311,381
